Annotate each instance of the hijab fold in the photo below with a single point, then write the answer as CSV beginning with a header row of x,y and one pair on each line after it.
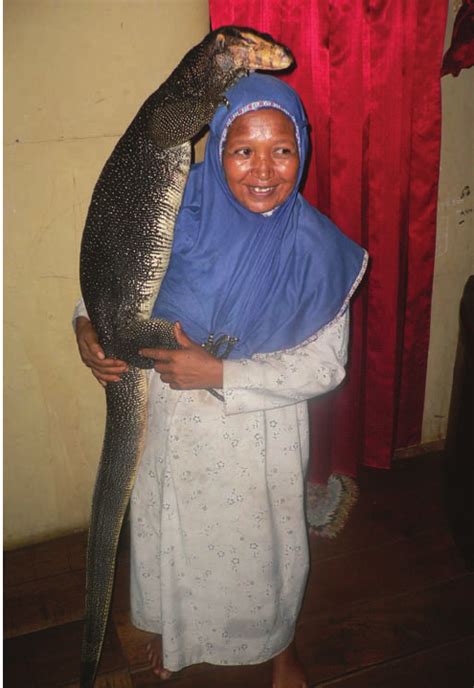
x,y
271,281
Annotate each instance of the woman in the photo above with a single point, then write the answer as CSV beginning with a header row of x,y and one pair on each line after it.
x,y
219,543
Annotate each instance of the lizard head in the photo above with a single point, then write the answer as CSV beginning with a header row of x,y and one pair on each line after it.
x,y
191,95
239,49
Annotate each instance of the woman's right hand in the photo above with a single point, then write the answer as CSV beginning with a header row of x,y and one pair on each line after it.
x,y
104,369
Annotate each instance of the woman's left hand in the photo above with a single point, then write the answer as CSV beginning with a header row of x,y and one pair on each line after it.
x,y
189,367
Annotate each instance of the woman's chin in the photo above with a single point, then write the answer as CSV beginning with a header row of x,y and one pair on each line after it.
x,y
259,203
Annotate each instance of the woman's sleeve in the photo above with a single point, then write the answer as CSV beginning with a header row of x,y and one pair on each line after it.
x,y
80,310
267,381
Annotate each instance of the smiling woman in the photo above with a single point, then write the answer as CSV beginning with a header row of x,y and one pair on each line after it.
x,y
219,545
261,160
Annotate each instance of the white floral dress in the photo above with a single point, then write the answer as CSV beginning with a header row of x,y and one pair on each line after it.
x,y
219,541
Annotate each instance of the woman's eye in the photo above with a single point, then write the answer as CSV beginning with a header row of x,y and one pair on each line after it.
x,y
244,152
283,151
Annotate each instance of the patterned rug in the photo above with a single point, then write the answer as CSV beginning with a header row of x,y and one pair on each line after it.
x,y
328,506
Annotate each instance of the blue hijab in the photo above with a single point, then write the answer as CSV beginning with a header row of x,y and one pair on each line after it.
x,y
271,281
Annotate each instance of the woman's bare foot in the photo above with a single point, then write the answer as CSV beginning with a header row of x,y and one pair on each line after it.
x,y
155,656
288,671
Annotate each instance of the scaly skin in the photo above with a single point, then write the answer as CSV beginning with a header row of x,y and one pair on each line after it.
x,y
124,255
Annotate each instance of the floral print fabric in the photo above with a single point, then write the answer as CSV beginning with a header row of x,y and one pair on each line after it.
x,y
219,542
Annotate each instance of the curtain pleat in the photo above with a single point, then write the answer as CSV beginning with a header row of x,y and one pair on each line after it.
x,y
421,222
368,74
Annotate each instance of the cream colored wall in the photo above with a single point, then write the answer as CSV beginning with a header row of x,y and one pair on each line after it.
x,y
76,72
455,241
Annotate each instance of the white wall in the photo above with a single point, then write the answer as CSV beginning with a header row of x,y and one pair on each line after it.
x,y
455,242
76,71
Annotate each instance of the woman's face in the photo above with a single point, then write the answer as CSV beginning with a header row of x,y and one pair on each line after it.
x,y
260,159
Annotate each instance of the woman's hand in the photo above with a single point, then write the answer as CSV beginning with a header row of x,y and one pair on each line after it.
x,y
104,369
189,367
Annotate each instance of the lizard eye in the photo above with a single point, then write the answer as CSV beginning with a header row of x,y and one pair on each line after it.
x,y
220,41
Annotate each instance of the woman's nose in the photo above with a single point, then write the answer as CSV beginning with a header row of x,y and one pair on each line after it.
x,y
263,167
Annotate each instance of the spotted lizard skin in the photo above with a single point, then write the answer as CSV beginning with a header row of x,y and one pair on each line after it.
x,y
125,251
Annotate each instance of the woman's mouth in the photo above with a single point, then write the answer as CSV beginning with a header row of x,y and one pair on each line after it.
x,y
261,190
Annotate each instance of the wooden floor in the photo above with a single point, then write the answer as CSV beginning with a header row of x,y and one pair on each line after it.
x,y
390,603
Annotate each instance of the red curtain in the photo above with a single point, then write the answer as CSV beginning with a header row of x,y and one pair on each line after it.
x,y
368,72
